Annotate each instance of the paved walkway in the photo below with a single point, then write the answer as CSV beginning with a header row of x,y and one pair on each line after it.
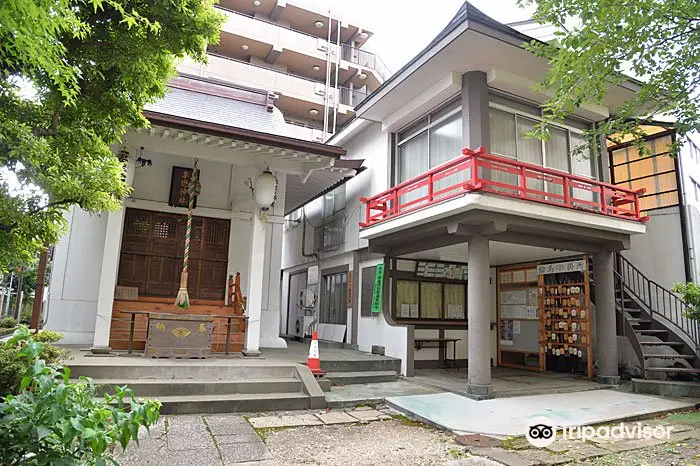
x,y
510,416
224,439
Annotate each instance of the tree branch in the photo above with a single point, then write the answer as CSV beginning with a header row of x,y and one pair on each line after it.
x,y
52,130
53,204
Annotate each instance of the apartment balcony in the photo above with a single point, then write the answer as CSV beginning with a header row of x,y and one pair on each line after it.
x,y
297,95
277,43
331,233
307,133
504,199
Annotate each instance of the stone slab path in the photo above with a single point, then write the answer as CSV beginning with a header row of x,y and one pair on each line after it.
x,y
224,439
510,416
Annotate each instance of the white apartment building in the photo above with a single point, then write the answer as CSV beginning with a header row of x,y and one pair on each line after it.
x,y
313,61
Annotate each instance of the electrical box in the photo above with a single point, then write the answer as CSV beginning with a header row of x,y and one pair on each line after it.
x,y
307,299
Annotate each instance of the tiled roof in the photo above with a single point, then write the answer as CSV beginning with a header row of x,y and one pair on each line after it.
x,y
220,110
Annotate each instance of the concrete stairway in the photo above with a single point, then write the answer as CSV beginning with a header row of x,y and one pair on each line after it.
x,y
186,388
361,370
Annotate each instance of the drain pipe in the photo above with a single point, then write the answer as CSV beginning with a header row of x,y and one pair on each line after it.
x,y
680,186
317,257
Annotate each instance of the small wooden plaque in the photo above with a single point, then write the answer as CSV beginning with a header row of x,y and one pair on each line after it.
x,y
126,293
179,335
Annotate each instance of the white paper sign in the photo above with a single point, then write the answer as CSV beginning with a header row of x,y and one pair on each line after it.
x,y
519,297
516,327
519,276
406,310
454,311
532,296
414,311
531,275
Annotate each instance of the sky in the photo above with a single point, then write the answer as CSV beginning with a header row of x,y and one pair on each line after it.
x,y
402,28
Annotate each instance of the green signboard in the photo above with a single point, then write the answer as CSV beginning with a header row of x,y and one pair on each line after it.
x,y
378,288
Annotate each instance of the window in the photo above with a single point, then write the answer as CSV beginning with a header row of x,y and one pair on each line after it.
x,y
656,172
334,201
430,300
428,143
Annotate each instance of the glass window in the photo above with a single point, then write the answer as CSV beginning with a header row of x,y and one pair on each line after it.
x,y
454,301
430,300
413,161
406,298
334,201
445,145
502,127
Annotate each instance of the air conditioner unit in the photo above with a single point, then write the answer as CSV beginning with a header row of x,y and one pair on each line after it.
x,y
307,299
304,326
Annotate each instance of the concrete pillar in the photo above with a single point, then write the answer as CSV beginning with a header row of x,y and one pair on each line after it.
x,y
475,110
108,280
606,345
478,319
256,267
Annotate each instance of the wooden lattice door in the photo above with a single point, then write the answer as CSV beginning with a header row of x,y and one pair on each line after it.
x,y
152,250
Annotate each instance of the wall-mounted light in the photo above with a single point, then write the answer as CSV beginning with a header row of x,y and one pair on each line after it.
x,y
318,24
141,162
362,76
256,3
316,67
363,35
244,47
313,112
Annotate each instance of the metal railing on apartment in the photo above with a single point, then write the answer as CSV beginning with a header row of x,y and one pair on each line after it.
x,y
331,233
348,53
366,59
659,301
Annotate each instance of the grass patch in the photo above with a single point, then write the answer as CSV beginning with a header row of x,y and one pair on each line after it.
x,y
407,421
691,418
263,432
459,453
515,443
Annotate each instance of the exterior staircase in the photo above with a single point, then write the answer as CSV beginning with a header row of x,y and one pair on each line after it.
x,y
652,318
186,387
361,371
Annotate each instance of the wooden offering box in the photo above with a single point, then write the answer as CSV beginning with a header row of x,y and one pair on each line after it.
x,y
179,335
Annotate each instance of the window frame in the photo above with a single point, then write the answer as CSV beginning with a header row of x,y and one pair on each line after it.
x,y
402,137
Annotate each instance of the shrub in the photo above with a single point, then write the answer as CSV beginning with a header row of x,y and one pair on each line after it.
x,y
56,421
7,322
13,365
25,317
690,293
47,336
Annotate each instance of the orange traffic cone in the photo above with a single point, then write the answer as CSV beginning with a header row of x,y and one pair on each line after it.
x,y
314,361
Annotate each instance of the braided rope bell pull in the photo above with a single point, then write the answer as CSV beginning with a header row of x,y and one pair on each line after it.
x,y
183,300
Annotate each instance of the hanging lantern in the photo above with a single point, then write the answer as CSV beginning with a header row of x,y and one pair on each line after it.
x,y
265,190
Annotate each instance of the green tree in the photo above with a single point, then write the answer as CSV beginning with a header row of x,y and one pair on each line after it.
x,y
690,294
656,41
74,76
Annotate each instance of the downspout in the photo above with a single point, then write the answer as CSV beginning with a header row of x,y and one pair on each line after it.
x,y
317,256
680,183
337,66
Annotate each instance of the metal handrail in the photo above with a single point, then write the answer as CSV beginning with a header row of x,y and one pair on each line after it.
x,y
658,300
473,170
347,96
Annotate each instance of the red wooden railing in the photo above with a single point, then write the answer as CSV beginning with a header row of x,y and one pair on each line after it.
x,y
479,172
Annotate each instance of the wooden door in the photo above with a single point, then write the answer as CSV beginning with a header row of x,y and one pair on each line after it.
x,y
153,248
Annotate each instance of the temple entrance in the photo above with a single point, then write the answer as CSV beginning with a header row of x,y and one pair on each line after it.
x,y
153,248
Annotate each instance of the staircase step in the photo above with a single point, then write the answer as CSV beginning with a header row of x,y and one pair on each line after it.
x,y
651,332
352,378
187,387
181,370
685,370
368,364
661,343
669,356
636,321
247,402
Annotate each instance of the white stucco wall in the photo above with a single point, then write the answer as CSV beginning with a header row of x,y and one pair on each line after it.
x,y
75,277
658,254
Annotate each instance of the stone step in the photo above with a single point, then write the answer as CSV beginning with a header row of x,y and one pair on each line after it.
x,y
185,387
661,343
378,363
238,403
354,378
685,370
182,370
651,332
669,356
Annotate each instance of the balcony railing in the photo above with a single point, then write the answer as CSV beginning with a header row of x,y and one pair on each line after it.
x,y
351,97
331,233
476,171
366,59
